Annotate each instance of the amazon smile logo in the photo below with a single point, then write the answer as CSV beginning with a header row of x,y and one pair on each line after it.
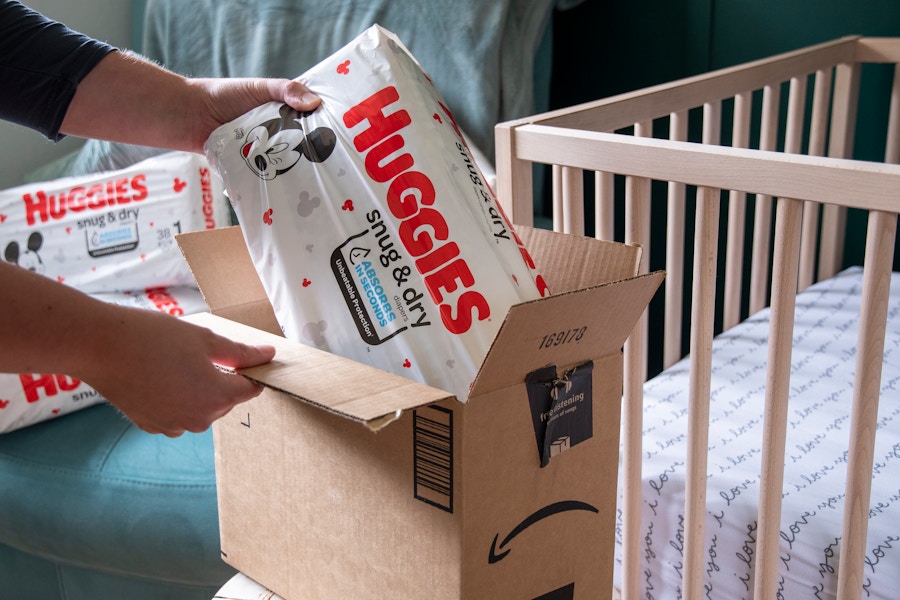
x,y
500,552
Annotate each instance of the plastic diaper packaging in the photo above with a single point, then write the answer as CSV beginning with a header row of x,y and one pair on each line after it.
x,y
369,222
115,230
29,398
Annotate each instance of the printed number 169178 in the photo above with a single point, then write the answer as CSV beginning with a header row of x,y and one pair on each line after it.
x,y
563,337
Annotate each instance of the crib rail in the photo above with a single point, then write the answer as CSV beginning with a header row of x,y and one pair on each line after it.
x,y
641,154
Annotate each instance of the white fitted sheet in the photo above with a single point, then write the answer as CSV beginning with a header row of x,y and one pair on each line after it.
x,y
823,362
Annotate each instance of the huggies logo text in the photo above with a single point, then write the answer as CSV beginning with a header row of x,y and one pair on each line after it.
x,y
36,385
422,230
206,190
42,207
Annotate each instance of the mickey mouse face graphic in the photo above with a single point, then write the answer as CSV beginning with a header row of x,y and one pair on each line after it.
x,y
274,147
29,259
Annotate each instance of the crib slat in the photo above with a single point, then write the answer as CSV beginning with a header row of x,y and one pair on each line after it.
x,y
759,272
817,129
737,213
632,427
637,222
784,288
637,231
880,236
793,139
572,200
637,197
840,145
703,303
604,205
674,283
892,147
702,320
559,208
786,265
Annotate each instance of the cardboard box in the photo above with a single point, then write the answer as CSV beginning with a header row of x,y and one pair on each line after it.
x,y
341,481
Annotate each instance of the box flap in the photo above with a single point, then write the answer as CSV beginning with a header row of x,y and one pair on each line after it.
x,y
565,329
342,386
572,262
594,306
227,278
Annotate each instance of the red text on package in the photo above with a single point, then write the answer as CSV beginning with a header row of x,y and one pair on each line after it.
x,y
207,192
33,384
42,207
423,231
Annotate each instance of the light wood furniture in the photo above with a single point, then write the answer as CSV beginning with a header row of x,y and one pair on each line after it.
x,y
793,157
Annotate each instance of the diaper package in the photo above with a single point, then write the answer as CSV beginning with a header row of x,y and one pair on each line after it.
x,y
29,398
113,231
369,222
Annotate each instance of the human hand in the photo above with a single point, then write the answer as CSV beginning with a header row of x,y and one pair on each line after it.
x,y
161,372
155,107
228,98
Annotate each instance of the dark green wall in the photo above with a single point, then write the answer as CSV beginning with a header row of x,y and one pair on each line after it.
x,y
605,48
743,30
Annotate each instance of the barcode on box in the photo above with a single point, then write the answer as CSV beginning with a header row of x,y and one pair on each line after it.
x,y
433,456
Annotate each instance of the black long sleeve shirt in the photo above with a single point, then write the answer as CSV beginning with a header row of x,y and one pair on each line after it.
x,y
41,64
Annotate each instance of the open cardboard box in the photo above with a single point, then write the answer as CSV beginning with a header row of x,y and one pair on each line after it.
x,y
344,481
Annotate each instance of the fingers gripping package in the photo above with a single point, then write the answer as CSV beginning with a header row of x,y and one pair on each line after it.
x,y
113,231
369,222
29,398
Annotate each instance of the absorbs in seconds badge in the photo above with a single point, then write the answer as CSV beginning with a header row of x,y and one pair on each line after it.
x,y
561,408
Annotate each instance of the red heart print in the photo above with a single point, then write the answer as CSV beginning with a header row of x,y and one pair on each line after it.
x,y
143,257
407,364
179,185
55,411
348,205
344,68
437,118
3,218
306,282
60,278
68,230
4,403
267,217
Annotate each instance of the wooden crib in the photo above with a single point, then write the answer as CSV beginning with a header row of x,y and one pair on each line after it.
x,y
780,177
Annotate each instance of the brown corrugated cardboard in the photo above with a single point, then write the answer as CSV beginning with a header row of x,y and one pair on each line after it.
x,y
446,499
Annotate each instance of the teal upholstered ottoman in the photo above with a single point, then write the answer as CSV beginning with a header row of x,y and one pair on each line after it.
x,y
93,508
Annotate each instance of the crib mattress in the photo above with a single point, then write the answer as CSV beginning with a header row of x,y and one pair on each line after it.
x,y
823,364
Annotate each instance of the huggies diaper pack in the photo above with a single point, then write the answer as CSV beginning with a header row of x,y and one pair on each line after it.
x,y
29,398
369,222
113,231
106,234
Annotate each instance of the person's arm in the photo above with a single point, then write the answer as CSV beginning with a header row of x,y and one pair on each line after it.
x,y
59,81
126,98
158,370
